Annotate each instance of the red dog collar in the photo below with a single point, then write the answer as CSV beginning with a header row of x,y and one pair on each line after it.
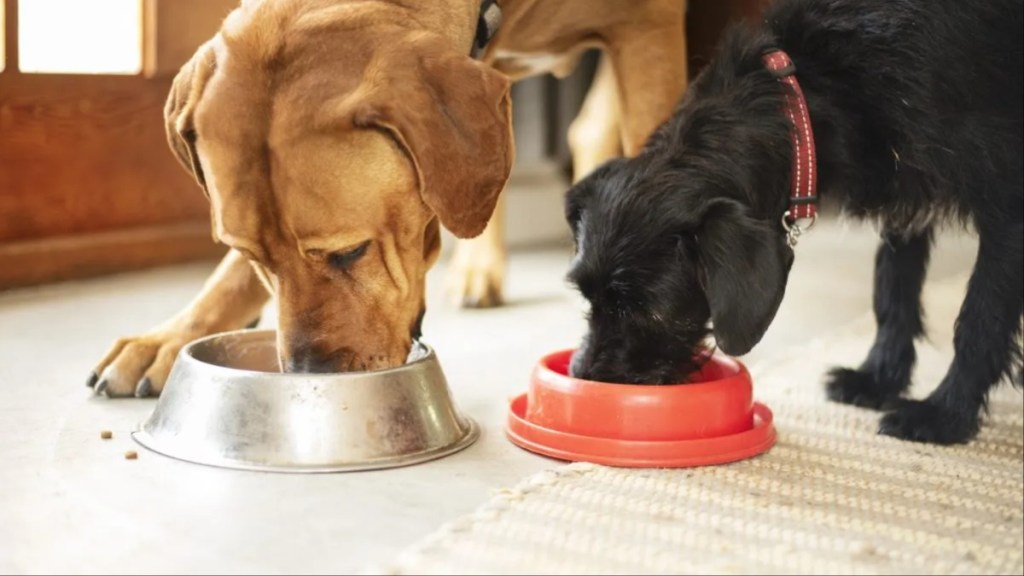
x,y
803,195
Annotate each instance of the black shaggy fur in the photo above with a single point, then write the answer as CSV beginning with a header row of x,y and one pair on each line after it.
x,y
916,110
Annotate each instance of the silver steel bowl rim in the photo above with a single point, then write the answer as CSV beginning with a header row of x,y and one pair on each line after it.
x,y
472,434
186,355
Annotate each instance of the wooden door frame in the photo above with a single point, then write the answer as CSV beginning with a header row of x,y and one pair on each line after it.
x,y
147,233
10,36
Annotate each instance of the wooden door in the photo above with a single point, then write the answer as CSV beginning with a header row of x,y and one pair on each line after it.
x,y
87,183
707,19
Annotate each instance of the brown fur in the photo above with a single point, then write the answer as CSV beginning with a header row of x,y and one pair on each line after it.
x,y
639,80
315,125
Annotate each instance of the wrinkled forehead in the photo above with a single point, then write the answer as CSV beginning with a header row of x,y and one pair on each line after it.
x,y
281,155
313,189
351,182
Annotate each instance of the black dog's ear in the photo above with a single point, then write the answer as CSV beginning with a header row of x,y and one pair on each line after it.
x,y
575,202
746,264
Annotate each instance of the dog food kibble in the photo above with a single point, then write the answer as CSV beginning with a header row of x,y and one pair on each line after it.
x,y
131,455
106,434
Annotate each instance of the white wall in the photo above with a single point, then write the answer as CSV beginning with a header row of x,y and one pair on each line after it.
x,y
534,213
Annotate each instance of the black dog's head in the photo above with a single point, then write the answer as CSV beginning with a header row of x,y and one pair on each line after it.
x,y
690,229
658,255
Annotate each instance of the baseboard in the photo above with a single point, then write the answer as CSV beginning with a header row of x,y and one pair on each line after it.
x,y
75,257
534,216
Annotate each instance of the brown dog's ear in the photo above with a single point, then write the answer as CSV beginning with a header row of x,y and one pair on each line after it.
x,y
453,116
186,90
746,265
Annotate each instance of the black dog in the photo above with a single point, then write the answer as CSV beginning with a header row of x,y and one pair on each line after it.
x,y
916,112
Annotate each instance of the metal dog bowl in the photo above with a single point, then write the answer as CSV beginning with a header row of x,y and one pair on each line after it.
x,y
227,404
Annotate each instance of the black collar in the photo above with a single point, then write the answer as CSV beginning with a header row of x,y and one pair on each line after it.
x,y
486,26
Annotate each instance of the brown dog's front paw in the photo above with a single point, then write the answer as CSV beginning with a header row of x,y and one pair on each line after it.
x,y
476,274
138,366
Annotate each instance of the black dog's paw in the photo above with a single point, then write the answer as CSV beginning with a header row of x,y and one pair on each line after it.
x,y
860,388
919,421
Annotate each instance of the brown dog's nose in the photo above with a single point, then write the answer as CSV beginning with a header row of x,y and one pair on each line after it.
x,y
304,357
309,364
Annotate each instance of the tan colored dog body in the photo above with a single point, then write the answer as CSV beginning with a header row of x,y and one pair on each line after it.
x,y
639,80
334,137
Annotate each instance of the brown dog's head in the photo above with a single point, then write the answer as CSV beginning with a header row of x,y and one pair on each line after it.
x,y
331,145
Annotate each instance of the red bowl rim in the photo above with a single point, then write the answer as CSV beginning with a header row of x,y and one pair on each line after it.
x,y
543,370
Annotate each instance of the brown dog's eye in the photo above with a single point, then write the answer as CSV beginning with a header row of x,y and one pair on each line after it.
x,y
344,260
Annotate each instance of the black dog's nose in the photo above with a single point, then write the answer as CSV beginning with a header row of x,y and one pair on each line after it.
x,y
578,366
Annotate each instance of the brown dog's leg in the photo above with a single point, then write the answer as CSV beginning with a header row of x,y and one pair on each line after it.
x,y
652,50
231,298
639,56
476,273
595,135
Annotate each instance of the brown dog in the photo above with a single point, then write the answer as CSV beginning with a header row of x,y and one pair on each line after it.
x,y
334,138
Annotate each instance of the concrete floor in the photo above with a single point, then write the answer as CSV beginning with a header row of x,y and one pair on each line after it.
x,y
70,502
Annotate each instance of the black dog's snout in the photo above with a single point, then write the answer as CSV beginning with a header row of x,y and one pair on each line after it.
x,y
577,366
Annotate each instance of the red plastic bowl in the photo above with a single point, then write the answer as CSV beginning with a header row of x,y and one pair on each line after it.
x,y
710,420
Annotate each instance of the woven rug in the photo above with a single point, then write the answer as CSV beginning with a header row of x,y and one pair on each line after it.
x,y
831,497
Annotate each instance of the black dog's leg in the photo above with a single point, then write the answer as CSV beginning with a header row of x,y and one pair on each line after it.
x,y
987,345
900,267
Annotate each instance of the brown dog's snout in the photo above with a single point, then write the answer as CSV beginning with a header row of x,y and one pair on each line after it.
x,y
303,357
300,354
327,326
